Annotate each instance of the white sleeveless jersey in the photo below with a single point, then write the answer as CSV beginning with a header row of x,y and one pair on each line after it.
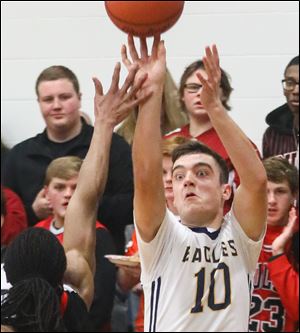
x,y
198,281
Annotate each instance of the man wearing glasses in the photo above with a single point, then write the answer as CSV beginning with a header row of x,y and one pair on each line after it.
x,y
282,135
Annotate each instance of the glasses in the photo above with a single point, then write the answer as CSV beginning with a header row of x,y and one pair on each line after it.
x,y
192,88
289,84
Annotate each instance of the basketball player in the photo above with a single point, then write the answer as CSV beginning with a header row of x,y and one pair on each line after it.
x,y
196,275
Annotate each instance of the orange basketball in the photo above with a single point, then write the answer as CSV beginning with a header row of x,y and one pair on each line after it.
x,y
144,18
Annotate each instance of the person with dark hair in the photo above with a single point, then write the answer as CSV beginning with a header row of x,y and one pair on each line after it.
x,y
32,303
195,274
275,298
35,263
66,133
281,138
200,126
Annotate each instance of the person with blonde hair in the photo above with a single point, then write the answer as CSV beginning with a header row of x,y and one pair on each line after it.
x,y
172,115
61,180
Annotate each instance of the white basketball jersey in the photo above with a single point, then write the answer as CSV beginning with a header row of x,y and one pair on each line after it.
x,y
198,281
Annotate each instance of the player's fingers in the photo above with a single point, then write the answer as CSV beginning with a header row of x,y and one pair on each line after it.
x,y
124,56
129,79
115,78
98,87
132,50
144,48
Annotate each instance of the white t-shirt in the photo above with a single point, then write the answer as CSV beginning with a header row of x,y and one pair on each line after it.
x,y
197,280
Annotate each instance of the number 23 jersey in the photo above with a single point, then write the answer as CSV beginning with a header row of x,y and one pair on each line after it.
x,y
196,280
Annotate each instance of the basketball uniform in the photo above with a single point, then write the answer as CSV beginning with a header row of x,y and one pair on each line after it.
x,y
198,280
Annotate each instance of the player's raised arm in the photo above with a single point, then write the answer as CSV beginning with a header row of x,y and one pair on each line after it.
x,y
250,201
80,220
149,200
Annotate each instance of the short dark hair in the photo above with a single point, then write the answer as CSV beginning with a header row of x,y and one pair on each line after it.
x,y
195,147
279,170
225,82
55,73
293,62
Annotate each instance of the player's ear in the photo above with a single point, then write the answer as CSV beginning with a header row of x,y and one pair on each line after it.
x,y
226,191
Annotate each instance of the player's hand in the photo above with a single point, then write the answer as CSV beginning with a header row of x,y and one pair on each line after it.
x,y
210,94
115,106
154,64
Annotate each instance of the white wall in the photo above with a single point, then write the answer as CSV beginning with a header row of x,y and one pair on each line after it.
x,y
256,40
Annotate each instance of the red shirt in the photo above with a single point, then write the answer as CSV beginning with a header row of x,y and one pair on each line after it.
x,y
46,224
15,219
275,300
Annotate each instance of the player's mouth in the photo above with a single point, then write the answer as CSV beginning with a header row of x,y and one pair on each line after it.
x,y
189,195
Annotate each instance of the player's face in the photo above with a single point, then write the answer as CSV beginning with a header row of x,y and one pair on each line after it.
x,y
280,200
59,193
59,104
198,195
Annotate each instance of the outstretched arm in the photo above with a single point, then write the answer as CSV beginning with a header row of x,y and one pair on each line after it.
x,y
149,199
250,200
80,229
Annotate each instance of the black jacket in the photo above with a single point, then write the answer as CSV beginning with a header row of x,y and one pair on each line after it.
x,y
280,138
26,164
281,119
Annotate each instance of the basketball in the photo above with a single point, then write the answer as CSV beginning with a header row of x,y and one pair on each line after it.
x,y
144,18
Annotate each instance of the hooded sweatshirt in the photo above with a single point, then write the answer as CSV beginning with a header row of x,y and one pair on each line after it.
x,y
280,138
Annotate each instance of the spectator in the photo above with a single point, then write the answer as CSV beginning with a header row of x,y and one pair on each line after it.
x,y
15,219
60,183
59,98
281,138
275,299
